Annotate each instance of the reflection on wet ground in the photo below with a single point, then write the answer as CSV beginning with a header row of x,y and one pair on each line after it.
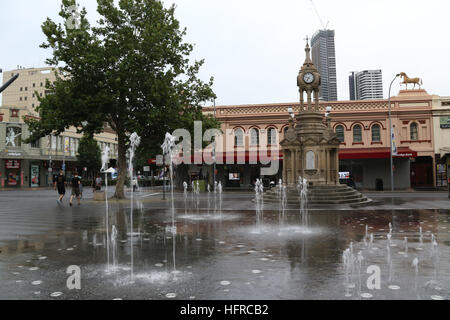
x,y
228,254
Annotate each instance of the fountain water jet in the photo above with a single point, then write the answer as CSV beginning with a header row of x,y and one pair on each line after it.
x,y
114,246
105,161
168,146
135,141
302,188
259,201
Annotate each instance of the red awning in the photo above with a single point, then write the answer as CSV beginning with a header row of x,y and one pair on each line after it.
x,y
238,157
375,153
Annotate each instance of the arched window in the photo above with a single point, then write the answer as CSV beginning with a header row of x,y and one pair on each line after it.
x,y
340,133
414,131
254,137
376,135
357,133
238,137
271,136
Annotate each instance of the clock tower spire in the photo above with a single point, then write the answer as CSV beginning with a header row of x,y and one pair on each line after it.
x,y
309,81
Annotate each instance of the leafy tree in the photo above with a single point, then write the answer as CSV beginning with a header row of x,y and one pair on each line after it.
x,y
89,154
131,71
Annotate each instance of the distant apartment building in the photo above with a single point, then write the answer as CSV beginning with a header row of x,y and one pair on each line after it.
x,y
324,57
366,85
33,164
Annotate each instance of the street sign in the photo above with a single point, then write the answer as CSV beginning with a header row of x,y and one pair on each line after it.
x,y
394,147
146,169
445,122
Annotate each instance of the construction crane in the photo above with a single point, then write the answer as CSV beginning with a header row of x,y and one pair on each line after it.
x,y
8,83
325,26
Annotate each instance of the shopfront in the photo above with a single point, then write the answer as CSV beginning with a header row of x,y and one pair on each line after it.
x,y
442,170
13,174
35,179
369,168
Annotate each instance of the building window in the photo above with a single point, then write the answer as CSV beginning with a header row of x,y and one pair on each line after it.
x,y
414,132
26,98
272,136
357,133
340,133
14,113
238,137
254,137
376,136
34,85
26,88
21,89
20,98
36,144
42,84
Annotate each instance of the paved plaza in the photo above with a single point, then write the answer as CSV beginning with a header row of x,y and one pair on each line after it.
x,y
221,249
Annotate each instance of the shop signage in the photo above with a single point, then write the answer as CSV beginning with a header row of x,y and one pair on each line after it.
x,y
14,154
12,164
146,169
445,122
405,155
66,145
344,175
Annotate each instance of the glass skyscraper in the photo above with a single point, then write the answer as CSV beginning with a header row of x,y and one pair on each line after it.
x,y
324,57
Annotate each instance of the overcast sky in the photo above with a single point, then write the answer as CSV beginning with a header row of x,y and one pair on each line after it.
x,y
255,48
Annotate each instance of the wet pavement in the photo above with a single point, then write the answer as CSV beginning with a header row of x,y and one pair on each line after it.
x,y
220,250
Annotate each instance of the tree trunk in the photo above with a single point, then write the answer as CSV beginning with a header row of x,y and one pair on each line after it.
x,y
121,165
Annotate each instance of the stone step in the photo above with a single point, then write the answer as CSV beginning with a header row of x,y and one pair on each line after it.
x,y
317,195
326,202
314,194
321,195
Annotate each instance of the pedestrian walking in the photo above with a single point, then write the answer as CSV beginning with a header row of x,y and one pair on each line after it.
x,y
60,184
98,183
75,189
81,187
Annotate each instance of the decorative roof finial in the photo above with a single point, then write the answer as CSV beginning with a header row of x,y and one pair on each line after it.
x,y
308,52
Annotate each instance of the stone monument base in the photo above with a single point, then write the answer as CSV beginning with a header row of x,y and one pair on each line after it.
x,y
321,195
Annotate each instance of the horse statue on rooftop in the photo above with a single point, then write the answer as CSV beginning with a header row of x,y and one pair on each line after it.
x,y
407,80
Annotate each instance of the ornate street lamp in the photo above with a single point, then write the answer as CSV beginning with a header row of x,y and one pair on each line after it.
x,y
391,136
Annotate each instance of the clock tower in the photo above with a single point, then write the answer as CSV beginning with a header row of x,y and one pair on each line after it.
x,y
308,81
310,147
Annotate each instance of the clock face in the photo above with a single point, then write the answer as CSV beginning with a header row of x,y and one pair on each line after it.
x,y
308,78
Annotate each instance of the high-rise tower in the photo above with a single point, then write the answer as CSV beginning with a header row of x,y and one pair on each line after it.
x,y
324,57
366,85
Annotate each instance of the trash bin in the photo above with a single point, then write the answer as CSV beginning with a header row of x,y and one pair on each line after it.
x,y
379,185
